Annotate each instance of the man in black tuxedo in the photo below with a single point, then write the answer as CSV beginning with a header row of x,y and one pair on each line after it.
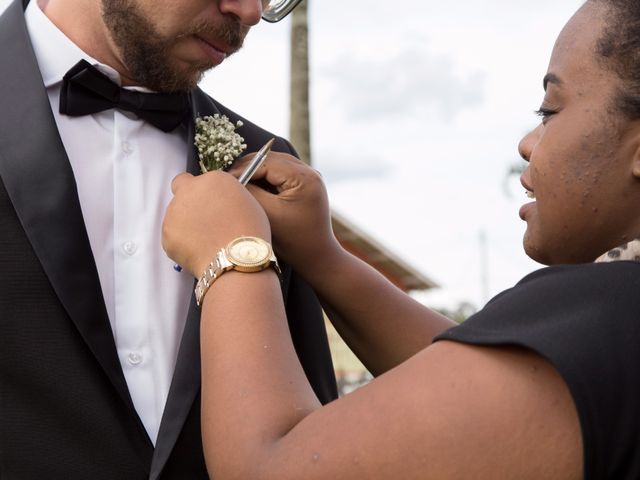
x,y
99,344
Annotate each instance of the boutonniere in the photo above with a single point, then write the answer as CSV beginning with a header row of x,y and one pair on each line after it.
x,y
217,142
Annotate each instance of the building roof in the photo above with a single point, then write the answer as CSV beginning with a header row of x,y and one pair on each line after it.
x,y
363,246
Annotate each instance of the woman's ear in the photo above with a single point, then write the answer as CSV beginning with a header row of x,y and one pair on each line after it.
x,y
635,150
635,167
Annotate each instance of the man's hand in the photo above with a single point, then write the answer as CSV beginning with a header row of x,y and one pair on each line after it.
x,y
206,213
296,203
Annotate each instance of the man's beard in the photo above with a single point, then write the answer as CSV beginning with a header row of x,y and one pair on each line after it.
x,y
146,54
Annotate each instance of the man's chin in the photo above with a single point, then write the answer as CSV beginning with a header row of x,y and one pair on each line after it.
x,y
187,76
182,81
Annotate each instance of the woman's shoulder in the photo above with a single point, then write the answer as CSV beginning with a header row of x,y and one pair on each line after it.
x,y
585,321
622,276
564,300
571,314
564,292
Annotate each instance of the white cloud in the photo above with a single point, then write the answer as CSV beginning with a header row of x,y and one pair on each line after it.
x,y
413,82
337,167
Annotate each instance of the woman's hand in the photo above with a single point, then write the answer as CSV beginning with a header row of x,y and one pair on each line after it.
x,y
205,214
295,200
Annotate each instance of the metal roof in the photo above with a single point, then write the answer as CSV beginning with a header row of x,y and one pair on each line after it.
x,y
363,246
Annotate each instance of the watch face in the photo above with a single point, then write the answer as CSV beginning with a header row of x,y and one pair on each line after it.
x,y
249,252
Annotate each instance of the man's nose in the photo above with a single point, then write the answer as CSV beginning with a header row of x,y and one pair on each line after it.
x,y
248,12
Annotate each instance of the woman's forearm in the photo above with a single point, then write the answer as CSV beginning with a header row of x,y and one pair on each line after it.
x,y
252,380
254,390
379,322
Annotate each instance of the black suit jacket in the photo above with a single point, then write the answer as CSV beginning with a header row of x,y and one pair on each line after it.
x,y
65,410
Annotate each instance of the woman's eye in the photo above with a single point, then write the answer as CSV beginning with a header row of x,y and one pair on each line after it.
x,y
545,113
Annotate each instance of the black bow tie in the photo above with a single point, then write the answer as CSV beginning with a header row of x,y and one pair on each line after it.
x,y
85,90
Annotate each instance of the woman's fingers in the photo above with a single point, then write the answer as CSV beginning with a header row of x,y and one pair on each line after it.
x,y
278,170
179,181
206,213
295,201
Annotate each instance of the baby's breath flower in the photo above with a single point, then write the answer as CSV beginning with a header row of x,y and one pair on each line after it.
x,y
217,142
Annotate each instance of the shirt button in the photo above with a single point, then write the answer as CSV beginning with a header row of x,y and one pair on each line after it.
x,y
127,148
134,358
129,247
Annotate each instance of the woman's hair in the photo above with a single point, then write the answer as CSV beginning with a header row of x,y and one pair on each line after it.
x,y
618,49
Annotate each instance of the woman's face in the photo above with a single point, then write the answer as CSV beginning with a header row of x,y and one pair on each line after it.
x,y
583,157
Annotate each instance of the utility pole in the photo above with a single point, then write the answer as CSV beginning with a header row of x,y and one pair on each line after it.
x,y
484,266
299,128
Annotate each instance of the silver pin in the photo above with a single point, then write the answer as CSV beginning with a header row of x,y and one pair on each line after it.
x,y
255,162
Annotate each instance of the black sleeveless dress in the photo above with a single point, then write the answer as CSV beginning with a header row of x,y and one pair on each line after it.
x,y
585,320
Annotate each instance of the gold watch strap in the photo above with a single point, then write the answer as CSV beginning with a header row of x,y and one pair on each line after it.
x,y
210,275
221,264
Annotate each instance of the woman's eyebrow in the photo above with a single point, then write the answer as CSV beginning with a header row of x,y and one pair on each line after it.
x,y
551,78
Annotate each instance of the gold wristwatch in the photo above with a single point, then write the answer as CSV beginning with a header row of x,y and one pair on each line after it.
x,y
244,254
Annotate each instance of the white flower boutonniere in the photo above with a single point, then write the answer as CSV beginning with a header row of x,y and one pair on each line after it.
x,y
217,142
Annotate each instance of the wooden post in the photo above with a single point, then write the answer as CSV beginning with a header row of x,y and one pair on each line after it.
x,y
299,124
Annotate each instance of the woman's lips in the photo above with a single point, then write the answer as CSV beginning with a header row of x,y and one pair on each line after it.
x,y
527,206
215,55
524,209
530,194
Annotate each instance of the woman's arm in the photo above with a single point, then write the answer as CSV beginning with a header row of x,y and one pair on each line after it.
x,y
379,322
450,411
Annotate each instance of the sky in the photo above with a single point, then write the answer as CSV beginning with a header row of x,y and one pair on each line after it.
x,y
417,108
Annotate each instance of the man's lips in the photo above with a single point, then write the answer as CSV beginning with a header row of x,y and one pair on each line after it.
x,y
216,53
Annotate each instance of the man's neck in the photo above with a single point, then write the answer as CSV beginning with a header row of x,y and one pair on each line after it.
x,y
81,21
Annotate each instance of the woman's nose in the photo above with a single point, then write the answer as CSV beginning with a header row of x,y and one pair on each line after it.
x,y
526,145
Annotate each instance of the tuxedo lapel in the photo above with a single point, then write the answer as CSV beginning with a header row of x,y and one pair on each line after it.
x,y
38,178
186,378
201,105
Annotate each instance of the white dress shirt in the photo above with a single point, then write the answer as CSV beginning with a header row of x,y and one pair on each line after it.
x,y
123,168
